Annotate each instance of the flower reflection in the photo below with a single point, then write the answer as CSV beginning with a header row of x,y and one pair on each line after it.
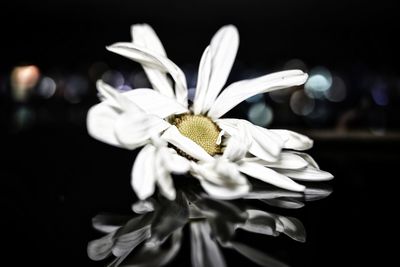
x,y
154,236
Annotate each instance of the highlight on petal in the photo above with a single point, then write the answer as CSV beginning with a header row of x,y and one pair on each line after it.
x,y
154,60
144,36
239,91
155,103
143,173
293,140
267,175
135,129
288,161
308,174
215,67
174,137
100,123
222,192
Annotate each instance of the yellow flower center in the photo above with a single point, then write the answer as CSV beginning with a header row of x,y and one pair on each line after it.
x,y
201,130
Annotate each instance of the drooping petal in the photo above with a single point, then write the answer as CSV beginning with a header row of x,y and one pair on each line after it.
x,y
204,250
144,36
239,91
143,173
288,161
173,136
238,144
108,223
100,121
308,174
134,129
223,192
154,60
215,67
267,175
294,140
155,103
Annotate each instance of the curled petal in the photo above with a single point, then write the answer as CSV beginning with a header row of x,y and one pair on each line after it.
x,y
293,140
308,174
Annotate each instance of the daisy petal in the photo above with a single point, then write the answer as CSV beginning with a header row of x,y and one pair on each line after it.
x,y
155,103
288,161
267,175
174,162
154,60
308,158
100,122
143,35
174,137
134,129
217,64
166,185
239,91
309,174
143,176
202,82
294,140
223,192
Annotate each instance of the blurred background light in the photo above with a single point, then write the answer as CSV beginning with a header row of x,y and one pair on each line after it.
x,y
139,80
338,91
47,87
301,103
23,79
319,81
260,114
76,87
113,78
379,93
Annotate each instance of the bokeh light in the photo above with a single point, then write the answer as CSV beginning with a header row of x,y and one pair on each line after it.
x,y
301,103
23,79
319,81
47,87
260,114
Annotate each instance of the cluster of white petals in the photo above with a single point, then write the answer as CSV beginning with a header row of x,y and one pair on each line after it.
x,y
142,117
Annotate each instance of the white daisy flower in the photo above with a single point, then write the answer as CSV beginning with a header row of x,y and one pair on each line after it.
x,y
183,137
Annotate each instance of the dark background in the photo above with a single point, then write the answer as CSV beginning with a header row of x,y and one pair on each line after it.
x,y
54,177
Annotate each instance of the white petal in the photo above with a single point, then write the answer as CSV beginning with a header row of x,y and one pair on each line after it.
x,y
267,175
165,182
144,36
143,176
218,63
220,172
153,60
288,161
173,136
239,91
238,144
309,174
100,122
155,103
203,79
294,140
134,129
264,144
174,162
308,158
223,192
